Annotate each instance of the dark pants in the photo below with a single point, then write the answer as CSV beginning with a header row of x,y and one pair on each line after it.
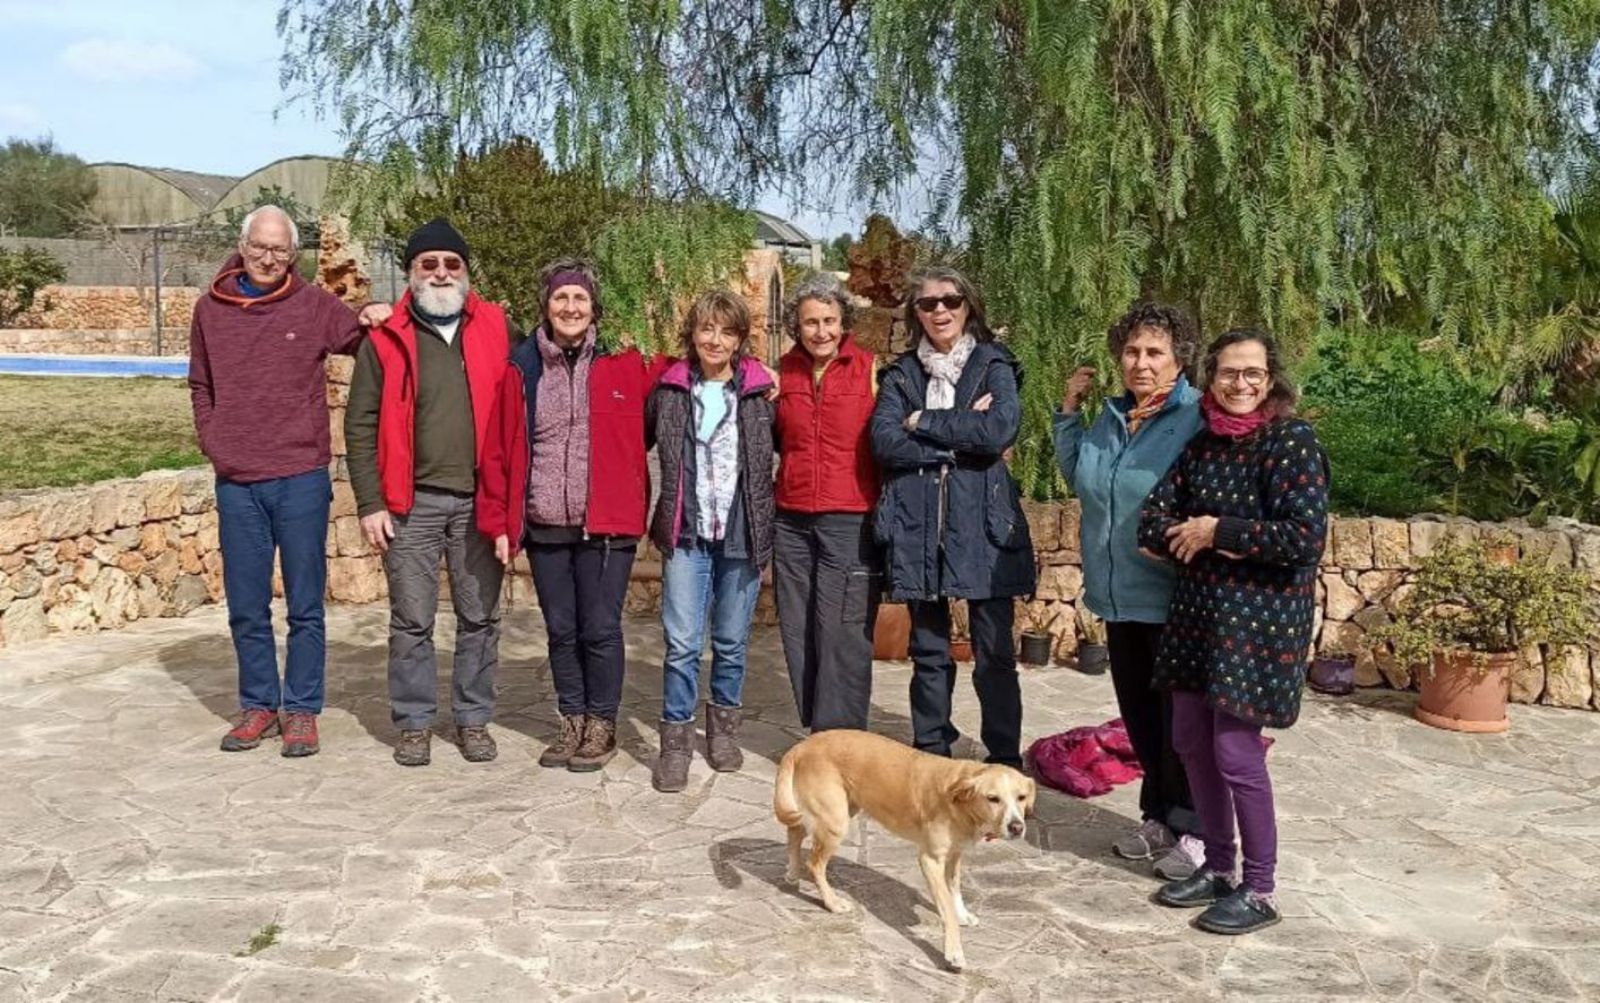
x,y
1147,714
1228,766
286,516
581,587
441,524
826,580
933,678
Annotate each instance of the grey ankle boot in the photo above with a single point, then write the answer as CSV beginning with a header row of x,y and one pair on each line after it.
x,y
671,773
722,727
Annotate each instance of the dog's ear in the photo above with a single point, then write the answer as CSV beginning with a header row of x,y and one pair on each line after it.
x,y
963,790
1033,797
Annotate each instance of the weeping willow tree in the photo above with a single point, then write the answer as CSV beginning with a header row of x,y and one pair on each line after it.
x,y
1289,163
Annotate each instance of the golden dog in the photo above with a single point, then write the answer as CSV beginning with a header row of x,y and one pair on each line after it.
x,y
941,805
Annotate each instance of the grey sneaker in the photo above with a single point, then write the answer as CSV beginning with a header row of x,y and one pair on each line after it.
x,y
1182,860
1145,842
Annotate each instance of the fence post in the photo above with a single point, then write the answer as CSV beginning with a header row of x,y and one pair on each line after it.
x,y
155,237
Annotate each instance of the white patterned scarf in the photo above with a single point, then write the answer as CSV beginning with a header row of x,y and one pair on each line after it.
x,y
944,370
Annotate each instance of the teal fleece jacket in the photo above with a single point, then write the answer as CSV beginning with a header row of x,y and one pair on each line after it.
x,y
1111,473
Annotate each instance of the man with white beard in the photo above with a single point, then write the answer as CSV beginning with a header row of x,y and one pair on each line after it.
x,y
420,399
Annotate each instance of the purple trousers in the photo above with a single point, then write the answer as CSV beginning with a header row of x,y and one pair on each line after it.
x,y
1226,763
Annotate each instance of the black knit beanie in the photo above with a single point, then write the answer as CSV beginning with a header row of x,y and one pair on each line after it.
x,y
435,235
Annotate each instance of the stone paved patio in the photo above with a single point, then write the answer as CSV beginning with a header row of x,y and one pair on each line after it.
x,y
137,862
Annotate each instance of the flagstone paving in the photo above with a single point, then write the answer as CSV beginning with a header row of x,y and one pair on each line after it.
x,y
137,862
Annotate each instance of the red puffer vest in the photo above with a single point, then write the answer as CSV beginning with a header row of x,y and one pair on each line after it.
x,y
826,462
483,330
619,475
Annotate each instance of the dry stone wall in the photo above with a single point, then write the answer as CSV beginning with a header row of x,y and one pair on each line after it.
x,y
1366,570
91,309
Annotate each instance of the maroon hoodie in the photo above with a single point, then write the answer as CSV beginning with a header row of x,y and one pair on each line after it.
x,y
256,375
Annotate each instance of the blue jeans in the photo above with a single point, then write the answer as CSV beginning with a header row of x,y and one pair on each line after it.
x,y
286,516
698,585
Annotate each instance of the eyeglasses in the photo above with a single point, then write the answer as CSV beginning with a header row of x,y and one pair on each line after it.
x,y
1250,377
451,263
256,250
951,302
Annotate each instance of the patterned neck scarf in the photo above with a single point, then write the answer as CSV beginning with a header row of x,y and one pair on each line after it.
x,y
1150,408
944,370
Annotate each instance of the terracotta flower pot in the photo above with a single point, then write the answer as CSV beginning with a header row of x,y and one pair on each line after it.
x,y
1464,693
891,633
961,651
1035,649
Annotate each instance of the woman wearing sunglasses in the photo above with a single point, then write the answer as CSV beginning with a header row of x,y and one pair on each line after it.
x,y
949,516
1243,513
564,476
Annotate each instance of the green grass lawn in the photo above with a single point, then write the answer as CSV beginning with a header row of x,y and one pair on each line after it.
x,y
57,431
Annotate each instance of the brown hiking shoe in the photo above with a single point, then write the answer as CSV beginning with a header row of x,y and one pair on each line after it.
x,y
560,752
413,749
722,727
477,745
249,728
671,772
300,735
599,745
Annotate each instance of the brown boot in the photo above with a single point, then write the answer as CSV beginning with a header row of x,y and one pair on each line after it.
x,y
671,772
413,748
560,753
599,745
477,745
722,727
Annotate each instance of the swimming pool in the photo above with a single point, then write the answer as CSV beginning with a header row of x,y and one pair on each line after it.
x,y
171,367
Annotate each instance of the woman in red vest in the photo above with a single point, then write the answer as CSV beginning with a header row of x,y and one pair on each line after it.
x,y
826,575
563,476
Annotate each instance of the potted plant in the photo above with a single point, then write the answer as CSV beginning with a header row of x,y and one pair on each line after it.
x,y
1470,610
1333,672
960,633
891,632
1036,639
1093,655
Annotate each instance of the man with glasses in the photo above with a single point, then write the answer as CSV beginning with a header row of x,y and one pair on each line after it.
x,y
419,409
256,379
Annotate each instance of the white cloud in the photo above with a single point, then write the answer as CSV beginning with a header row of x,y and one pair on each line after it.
x,y
16,118
125,60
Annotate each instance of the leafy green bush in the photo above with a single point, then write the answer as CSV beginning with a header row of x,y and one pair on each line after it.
x,y
22,274
1409,430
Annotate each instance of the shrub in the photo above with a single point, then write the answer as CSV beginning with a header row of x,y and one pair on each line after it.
x,y
22,274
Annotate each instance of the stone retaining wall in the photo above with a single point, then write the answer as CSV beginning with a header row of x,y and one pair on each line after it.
x,y
109,308
120,341
94,558
1366,569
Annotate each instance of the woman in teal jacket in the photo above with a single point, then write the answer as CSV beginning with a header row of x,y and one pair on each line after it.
x,y
1111,467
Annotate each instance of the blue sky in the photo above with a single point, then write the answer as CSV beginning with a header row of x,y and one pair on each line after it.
x,y
187,85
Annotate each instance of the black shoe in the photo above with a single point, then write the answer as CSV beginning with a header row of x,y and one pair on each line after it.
x,y
1203,887
1239,913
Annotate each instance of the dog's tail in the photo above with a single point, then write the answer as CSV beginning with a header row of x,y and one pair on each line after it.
x,y
784,805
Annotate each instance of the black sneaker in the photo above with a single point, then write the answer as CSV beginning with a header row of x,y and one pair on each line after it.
x,y
1242,912
1203,887
413,748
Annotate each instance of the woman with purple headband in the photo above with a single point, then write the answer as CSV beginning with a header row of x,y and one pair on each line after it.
x,y
564,477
